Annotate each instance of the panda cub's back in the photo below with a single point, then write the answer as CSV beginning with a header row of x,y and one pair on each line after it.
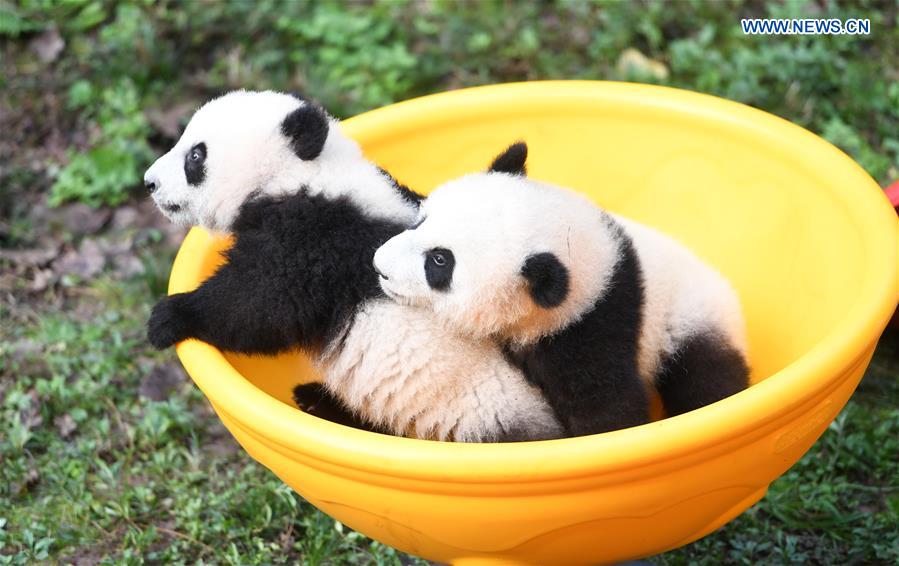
x,y
683,296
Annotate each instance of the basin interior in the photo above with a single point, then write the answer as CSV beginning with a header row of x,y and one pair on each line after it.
x,y
748,203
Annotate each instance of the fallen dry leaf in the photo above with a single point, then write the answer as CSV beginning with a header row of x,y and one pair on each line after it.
x,y
41,280
82,219
633,61
161,381
65,424
47,45
31,258
86,262
30,416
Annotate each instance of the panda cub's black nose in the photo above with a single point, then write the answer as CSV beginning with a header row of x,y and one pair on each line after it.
x,y
151,186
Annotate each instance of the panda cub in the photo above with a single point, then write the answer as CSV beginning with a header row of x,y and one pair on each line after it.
x,y
307,212
592,306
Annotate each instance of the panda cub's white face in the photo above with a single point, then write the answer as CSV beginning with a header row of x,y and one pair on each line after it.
x,y
247,144
501,255
231,147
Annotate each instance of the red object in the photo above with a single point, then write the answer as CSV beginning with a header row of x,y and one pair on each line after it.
x,y
892,192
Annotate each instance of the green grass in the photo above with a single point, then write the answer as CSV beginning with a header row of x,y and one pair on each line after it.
x,y
91,470
94,471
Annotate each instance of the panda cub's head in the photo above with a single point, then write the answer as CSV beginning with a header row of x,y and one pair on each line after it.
x,y
246,145
498,254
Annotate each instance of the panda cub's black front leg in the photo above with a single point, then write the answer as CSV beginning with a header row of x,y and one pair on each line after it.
x,y
239,309
596,403
170,322
589,396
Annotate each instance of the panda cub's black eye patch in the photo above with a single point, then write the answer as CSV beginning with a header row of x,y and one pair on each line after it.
x,y
439,264
195,165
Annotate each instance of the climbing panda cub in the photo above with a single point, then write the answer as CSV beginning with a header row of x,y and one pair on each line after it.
x,y
595,308
307,212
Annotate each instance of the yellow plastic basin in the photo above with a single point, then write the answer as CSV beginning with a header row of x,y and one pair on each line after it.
x,y
806,237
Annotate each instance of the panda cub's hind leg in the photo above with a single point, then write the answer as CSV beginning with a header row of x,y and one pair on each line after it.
x,y
315,399
704,369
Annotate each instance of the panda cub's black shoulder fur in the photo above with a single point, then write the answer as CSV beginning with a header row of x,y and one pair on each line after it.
x,y
299,267
408,194
324,248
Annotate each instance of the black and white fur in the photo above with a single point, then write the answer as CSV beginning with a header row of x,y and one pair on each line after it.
x,y
307,212
593,306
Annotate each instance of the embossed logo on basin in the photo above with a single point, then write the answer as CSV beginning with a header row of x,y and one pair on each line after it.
x,y
820,416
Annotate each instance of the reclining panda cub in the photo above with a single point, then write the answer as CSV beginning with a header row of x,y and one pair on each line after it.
x,y
593,307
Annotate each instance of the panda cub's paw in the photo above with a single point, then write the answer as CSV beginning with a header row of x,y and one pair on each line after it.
x,y
167,325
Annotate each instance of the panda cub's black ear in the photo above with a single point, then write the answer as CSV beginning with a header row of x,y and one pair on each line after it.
x,y
307,129
547,279
512,160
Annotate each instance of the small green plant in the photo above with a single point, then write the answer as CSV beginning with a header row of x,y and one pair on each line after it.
x,y
357,58
13,23
107,172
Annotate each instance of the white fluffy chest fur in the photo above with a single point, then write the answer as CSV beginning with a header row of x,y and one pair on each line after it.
x,y
399,368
